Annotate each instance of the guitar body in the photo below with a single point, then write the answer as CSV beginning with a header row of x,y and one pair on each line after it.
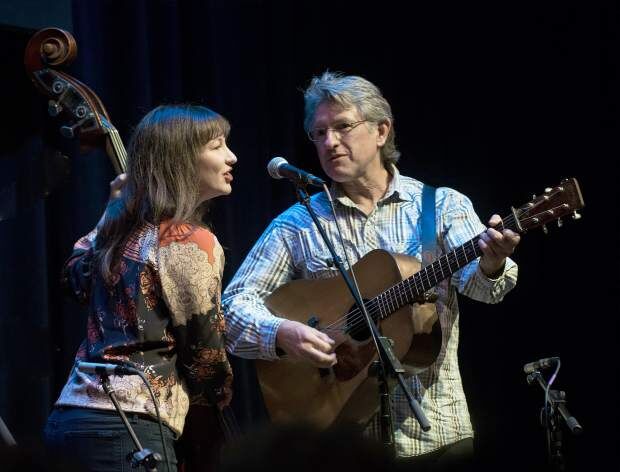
x,y
296,391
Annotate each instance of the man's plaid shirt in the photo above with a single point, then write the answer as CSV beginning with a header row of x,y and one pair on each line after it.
x,y
292,248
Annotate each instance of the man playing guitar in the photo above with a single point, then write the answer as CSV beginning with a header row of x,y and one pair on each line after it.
x,y
351,125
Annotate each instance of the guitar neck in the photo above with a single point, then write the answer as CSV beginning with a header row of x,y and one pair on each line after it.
x,y
413,288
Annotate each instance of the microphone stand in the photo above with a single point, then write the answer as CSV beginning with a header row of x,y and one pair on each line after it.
x,y
551,420
387,365
141,456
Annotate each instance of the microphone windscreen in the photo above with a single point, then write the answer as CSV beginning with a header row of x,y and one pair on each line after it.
x,y
273,166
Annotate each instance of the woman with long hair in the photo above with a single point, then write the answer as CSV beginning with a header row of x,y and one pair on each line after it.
x,y
150,274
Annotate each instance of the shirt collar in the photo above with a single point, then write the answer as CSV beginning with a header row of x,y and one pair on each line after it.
x,y
395,191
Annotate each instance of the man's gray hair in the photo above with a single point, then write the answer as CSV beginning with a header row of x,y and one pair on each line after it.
x,y
350,91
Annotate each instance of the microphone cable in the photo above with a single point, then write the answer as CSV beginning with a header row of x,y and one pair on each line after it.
x,y
161,427
140,373
547,407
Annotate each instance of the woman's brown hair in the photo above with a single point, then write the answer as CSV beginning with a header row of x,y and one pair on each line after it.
x,y
163,182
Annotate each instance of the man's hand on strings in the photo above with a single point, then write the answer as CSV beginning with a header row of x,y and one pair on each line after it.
x,y
303,342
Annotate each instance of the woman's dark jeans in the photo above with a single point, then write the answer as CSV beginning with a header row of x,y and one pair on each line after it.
x,y
99,441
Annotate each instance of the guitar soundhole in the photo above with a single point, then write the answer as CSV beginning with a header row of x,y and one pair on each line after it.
x,y
357,327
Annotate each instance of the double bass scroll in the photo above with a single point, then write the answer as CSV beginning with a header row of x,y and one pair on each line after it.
x,y
84,116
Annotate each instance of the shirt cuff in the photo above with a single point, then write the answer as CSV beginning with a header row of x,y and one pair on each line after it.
x,y
269,330
486,280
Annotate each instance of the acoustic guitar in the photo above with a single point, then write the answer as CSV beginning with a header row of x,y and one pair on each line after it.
x,y
390,285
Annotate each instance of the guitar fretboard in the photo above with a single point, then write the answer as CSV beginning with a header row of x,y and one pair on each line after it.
x,y
413,288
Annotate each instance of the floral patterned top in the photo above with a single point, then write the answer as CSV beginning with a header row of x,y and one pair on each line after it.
x,y
160,314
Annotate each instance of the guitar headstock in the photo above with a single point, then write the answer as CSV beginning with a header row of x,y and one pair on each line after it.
x,y
552,205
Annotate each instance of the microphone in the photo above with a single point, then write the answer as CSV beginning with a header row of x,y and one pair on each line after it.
x,y
540,364
107,369
279,168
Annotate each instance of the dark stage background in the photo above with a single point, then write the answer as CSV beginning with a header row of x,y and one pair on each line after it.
x,y
498,100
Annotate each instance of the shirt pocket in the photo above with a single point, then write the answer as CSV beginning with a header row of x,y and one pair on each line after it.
x,y
411,247
312,259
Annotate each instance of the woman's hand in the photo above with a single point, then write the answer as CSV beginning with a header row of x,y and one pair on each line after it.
x,y
116,186
116,191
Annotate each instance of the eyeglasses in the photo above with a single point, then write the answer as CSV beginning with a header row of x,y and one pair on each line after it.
x,y
341,129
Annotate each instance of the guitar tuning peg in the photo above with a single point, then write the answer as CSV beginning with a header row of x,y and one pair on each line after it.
x,y
548,190
545,230
575,215
533,196
53,108
560,222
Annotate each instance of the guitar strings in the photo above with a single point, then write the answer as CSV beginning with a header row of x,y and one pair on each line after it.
x,y
400,291
375,305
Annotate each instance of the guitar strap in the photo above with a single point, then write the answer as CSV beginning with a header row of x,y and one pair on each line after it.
x,y
428,237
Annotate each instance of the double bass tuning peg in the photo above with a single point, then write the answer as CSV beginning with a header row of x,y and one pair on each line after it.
x,y
68,131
